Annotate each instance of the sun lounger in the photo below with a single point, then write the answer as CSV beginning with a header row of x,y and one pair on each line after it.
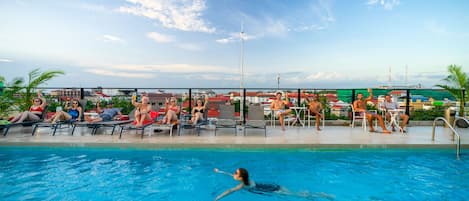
x,y
6,127
54,126
133,127
226,119
256,119
96,125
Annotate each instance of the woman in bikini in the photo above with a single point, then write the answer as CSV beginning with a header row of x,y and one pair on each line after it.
x,y
35,111
172,111
242,176
199,110
74,112
142,110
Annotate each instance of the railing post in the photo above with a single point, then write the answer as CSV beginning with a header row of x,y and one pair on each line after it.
x,y
190,101
82,93
244,105
353,99
407,102
299,99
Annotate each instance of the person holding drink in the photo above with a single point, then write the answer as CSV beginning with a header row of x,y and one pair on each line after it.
x,y
142,110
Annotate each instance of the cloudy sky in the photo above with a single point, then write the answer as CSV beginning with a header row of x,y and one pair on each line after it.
x,y
197,43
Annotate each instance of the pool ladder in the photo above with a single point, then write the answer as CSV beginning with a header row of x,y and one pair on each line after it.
x,y
458,145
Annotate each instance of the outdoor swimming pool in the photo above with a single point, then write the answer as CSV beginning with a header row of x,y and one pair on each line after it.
x,y
111,174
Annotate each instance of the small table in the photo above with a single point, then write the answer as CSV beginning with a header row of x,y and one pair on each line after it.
x,y
297,118
395,114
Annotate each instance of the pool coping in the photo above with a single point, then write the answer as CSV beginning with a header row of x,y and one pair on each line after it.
x,y
231,146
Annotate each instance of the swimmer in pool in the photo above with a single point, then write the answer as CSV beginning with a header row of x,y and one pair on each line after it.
x,y
242,176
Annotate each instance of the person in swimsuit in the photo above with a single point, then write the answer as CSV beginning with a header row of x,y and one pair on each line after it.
x,y
315,107
142,110
278,105
242,176
106,114
199,110
74,112
360,106
35,111
172,111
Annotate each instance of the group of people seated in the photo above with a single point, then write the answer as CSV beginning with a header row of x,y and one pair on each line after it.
x,y
359,105
315,107
278,105
74,111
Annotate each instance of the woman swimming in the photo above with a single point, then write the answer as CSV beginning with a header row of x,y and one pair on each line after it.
x,y
242,176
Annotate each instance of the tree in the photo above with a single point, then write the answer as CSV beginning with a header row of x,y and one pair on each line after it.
x,y
457,83
8,98
35,79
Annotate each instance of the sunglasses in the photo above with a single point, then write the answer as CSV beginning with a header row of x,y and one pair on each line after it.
x,y
37,101
75,103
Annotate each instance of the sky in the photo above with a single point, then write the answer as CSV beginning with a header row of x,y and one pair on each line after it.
x,y
198,43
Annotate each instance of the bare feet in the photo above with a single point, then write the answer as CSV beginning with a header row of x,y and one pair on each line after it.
x,y
386,132
318,129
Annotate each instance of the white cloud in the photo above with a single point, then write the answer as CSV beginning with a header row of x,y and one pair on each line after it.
x,y
386,4
182,15
235,37
112,73
324,11
160,38
162,68
6,60
190,47
111,38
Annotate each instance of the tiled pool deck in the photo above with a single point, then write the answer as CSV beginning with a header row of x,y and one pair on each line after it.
x,y
293,137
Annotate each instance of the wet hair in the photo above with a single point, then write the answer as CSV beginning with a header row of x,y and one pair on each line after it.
x,y
279,93
243,173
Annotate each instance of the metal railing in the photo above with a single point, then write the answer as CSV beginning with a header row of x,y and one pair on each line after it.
x,y
458,145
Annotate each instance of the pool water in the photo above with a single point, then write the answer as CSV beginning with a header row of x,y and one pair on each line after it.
x,y
113,174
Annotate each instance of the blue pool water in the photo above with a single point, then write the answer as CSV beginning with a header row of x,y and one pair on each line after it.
x,y
113,174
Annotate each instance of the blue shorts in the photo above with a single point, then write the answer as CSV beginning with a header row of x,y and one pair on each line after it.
x,y
105,117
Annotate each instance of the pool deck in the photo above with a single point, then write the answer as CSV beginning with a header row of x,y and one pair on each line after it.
x,y
293,137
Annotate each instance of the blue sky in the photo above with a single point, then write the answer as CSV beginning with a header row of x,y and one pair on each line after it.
x,y
197,43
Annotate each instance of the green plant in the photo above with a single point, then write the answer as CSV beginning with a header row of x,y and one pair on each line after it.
x,y
8,99
456,83
422,115
35,79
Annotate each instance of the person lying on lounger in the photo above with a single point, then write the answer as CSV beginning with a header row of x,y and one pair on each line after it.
x,y
74,112
35,111
242,176
106,114
142,110
172,111
199,110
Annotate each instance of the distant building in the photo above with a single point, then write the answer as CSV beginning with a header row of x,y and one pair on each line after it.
x,y
64,94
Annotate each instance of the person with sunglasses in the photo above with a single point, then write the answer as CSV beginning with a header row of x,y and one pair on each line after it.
x,y
74,112
35,111
242,175
172,111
